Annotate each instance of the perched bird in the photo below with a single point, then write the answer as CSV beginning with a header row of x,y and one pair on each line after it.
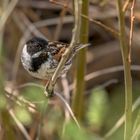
x,y
41,57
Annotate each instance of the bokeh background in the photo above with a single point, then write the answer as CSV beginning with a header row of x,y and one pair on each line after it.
x,y
22,96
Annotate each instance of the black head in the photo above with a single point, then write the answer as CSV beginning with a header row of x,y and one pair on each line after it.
x,y
36,44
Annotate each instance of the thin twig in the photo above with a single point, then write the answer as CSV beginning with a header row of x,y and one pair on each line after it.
x,y
59,3
66,93
126,5
113,31
68,108
76,31
109,70
131,28
69,19
19,100
66,88
30,84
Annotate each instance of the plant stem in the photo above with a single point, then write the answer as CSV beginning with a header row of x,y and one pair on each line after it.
x,y
6,13
78,101
74,40
126,4
127,73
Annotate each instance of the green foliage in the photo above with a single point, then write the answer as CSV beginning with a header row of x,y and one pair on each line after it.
x,y
115,112
117,109
98,107
23,115
72,132
55,120
35,95
2,101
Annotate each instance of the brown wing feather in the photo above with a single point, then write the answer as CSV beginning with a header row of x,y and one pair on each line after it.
x,y
57,49
58,55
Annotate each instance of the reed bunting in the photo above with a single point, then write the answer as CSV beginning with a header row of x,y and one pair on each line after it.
x,y
41,57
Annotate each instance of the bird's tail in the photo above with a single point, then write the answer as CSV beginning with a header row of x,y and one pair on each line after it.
x,y
77,48
81,46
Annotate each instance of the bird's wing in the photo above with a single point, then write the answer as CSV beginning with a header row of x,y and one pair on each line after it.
x,y
57,49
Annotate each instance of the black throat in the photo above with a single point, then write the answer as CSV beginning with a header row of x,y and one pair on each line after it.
x,y
38,61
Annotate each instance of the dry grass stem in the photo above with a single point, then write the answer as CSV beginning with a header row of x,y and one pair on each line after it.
x,y
136,134
19,100
126,4
102,72
113,31
68,108
59,3
66,92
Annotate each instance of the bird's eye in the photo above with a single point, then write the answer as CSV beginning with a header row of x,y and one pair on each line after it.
x,y
39,47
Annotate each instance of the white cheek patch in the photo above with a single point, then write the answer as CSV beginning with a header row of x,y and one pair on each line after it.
x,y
36,54
24,51
26,58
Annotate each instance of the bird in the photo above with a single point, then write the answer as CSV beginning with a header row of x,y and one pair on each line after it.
x,y
40,57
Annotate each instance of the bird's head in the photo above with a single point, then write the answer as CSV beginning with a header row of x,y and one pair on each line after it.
x,y
36,45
